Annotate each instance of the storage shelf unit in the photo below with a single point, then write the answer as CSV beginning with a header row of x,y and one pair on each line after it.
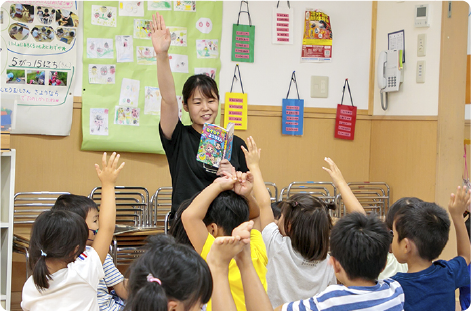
x,y
7,161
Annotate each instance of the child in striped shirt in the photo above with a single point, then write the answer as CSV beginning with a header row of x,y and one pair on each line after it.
x,y
88,210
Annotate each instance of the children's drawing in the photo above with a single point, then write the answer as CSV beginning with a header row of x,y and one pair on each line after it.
x,y
18,31
45,15
66,35
43,33
35,77
100,48
159,5
142,29
126,115
22,13
210,72
178,36
207,48
146,55
124,49
104,15
205,25
180,106
66,18
57,78
152,100
98,121
178,62
187,6
101,74
129,92
15,76
131,8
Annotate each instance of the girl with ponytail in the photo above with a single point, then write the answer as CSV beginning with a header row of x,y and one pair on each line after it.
x,y
168,276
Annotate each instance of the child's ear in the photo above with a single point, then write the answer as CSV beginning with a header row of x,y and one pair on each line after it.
x,y
212,229
185,107
335,264
409,245
172,305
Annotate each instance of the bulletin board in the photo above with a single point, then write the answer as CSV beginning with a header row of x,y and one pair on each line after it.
x,y
38,64
119,107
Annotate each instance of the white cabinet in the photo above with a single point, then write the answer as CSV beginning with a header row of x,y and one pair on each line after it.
x,y
7,160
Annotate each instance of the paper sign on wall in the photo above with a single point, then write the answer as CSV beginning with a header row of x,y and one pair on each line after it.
x,y
346,118
292,118
317,38
235,110
282,32
243,39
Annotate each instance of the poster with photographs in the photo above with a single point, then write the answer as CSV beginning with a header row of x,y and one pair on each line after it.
x,y
39,65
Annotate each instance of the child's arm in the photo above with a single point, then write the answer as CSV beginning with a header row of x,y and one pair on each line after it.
x,y
351,202
457,206
192,217
262,196
121,290
244,186
107,175
169,105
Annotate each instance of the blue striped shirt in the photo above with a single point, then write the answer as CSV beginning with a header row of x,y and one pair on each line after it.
x,y
385,295
106,301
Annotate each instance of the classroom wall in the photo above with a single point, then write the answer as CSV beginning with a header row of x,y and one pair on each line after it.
x,y
413,98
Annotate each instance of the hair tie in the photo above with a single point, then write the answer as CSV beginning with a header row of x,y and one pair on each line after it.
x,y
43,253
151,279
295,203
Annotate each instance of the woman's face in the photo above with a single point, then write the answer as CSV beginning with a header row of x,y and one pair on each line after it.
x,y
202,109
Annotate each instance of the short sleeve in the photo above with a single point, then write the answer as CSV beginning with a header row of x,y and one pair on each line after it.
x,y
112,274
170,145
207,246
259,252
300,305
88,266
460,271
270,233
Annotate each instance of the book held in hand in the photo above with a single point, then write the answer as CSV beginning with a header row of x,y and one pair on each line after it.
x,y
215,144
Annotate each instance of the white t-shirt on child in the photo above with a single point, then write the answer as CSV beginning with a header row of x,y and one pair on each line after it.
x,y
290,277
71,288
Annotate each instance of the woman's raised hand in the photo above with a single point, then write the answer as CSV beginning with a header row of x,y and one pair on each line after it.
x,y
160,34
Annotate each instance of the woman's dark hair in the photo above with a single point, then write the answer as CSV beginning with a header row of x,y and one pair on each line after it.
x,y
56,234
206,85
182,275
307,222
77,204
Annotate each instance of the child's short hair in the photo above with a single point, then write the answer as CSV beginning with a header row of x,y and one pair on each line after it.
x,y
307,222
360,244
77,204
206,85
177,230
398,205
427,224
228,210
55,234
168,270
276,209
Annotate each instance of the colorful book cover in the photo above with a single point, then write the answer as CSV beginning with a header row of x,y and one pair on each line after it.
x,y
215,144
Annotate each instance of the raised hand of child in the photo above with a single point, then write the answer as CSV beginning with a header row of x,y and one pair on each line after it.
x,y
110,170
244,184
334,172
243,231
252,155
460,201
160,34
224,166
227,181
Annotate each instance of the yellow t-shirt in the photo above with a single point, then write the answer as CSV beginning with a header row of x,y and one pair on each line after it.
x,y
259,259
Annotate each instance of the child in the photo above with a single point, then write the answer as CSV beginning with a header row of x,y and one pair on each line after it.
x,y
201,101
420,234
217,211
298,263
65,274
359,246
168,276
88,210
276,209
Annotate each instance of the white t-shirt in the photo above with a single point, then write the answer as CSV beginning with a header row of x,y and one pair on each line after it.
x,y
71,288
290,277
392,267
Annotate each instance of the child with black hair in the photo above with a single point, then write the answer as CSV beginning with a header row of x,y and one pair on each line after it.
x,y
297,247
393,266
65,274
359,246
420,234
219,211
88,210
276,209
168,276
180,142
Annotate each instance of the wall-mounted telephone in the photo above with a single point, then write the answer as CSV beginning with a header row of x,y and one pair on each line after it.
x,y
389,73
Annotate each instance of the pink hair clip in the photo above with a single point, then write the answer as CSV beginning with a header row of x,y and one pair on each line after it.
x,y
150,278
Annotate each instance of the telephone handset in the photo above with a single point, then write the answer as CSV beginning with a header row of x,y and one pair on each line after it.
x,y
388,73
